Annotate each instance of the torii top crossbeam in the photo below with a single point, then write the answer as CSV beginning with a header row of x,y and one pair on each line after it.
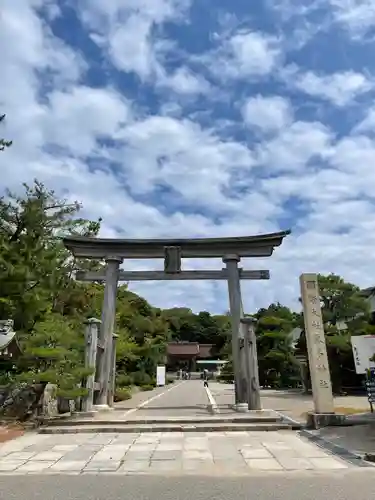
x,y
244,246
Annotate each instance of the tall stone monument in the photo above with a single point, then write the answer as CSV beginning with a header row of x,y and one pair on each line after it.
x,y
324,412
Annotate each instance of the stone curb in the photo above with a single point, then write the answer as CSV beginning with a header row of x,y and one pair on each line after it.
x,y
165,428
168,421
212,406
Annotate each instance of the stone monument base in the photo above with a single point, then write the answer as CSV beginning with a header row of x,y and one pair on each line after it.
x,y
318,420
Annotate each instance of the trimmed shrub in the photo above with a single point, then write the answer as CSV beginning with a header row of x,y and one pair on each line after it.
x,y
147,387
141,378
122,394
124,380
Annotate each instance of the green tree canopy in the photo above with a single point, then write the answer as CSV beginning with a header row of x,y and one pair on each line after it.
x,y
277,365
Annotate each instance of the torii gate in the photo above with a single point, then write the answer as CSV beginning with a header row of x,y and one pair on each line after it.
x,y
230,250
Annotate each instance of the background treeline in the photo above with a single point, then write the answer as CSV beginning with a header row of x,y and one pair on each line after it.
x,y
38,291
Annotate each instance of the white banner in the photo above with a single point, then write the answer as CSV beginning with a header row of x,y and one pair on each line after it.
x,y
363,347
160,375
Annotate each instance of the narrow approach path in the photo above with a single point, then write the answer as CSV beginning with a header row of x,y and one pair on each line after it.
x,y
186,398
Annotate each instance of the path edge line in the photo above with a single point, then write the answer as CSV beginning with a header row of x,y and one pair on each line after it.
x,y
144,403
212,405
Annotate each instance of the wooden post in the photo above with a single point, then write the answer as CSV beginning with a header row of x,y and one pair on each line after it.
x,y
91,337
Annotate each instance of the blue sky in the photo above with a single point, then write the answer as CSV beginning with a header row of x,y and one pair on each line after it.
x,y
196,118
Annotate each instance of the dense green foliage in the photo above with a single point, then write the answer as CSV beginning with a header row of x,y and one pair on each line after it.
x,y
38,291
277,364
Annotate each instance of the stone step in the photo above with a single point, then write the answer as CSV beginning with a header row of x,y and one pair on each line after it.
x,y
118,428
164,420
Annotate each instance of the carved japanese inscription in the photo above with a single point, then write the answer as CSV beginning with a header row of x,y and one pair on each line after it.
x,y
316,345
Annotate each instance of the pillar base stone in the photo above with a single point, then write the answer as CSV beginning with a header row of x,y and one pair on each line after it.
x,y
319,420
84,413
241,407
102,408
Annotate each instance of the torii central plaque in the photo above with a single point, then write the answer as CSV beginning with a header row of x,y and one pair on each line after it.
x,y
230,250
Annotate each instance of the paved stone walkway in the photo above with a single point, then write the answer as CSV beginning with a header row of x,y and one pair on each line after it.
x,y
214,453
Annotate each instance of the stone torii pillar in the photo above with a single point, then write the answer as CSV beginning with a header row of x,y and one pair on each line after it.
x,y
107,328
251,362
91,337
112,380
235,304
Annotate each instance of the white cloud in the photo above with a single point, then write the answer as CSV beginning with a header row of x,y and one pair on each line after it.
x,y
185,82
267,113
130,47
301,176
194,162
357,15
253,53
126,30
314,16
84,115
368,122
244,54
339,88
295,147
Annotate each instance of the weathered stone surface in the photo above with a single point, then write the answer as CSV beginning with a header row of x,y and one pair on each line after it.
x,y
22,401
50,406
318,420
276,452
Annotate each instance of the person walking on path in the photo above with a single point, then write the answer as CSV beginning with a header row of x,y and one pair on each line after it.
x,y
205,377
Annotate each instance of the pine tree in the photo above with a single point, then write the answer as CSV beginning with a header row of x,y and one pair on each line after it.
x,y
54,353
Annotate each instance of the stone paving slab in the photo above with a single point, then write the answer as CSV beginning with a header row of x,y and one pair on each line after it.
x,y
217,453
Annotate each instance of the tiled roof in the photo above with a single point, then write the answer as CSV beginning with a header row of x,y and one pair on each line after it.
x,y
205,350
189,349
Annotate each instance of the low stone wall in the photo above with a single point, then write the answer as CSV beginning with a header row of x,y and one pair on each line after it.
x,y
27,401
21,401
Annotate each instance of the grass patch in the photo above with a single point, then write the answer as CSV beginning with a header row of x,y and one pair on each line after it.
x,y
350,411
147,387
343,410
